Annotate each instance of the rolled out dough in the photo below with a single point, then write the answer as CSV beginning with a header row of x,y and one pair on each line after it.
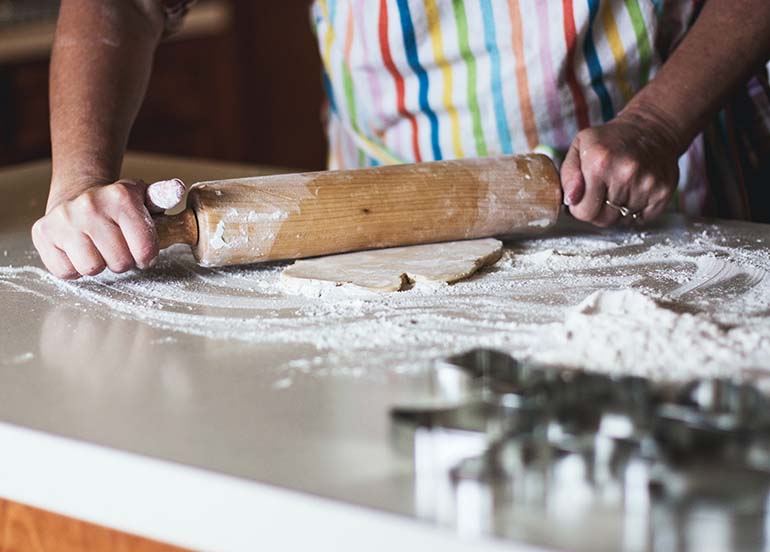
x,y
398,268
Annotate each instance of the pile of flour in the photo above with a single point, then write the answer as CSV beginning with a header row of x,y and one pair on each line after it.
x,y
621,302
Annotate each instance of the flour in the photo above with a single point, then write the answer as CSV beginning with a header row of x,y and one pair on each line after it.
x,y
253,216
216,240
165,194
629,329
22,358
620,302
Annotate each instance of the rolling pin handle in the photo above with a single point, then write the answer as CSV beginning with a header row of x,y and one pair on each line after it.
x,y
181,228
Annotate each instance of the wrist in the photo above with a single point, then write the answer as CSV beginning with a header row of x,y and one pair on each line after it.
x,y
65,187
75,172
657,125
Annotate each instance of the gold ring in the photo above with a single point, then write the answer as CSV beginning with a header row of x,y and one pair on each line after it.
x,y
623,210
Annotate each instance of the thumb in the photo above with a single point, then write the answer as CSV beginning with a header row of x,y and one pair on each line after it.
x,y
164,195
572,181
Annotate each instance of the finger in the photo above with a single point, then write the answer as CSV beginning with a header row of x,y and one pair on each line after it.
x,y
640,198
127,210
83,255
652,211
112,246
592,202
55,260
571,175
164,195
617,194
139,232
607,216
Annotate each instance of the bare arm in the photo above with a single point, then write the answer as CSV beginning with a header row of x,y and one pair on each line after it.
x,y
101,64
632,160
100,67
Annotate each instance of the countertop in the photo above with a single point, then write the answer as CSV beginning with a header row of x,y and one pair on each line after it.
x,y
188,444
194,440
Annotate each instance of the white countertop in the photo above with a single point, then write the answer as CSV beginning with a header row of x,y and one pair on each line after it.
x,y
187,443
190,439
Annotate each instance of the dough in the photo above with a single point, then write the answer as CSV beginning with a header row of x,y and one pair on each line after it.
x,y
398,268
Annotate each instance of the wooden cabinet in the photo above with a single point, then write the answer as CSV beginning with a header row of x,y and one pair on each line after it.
x,y
241,82
25,528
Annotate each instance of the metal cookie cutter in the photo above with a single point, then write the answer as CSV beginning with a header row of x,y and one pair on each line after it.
x,y
512,439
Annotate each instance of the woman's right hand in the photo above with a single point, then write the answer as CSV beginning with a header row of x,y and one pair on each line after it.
x,y
103,226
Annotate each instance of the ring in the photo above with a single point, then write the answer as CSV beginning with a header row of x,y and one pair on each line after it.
x,y
624,211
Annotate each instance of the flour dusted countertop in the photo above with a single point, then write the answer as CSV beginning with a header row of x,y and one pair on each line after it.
x,y
151,402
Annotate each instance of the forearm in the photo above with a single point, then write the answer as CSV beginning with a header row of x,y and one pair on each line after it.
x,y
101,63
729,41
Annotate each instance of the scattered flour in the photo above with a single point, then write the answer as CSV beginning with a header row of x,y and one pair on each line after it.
x,y
217,241
22,358
620,302
283,383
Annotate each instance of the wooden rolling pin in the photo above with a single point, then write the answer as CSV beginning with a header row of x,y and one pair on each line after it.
x,y
290,216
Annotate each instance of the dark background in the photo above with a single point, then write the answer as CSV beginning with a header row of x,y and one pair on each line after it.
x,y
247,88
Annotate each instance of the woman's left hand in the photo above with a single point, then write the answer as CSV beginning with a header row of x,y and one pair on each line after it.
x,y
630,162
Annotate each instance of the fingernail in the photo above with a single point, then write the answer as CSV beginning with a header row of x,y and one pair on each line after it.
x,y
152,263
567,199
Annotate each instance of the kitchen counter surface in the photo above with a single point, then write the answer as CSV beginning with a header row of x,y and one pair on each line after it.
x,y
198,440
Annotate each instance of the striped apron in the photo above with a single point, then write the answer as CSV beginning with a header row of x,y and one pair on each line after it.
x,y
420,80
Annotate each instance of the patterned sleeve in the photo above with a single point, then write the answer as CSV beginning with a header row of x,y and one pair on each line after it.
x,y
175,11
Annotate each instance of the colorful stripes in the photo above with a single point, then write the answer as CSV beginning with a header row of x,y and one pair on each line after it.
x,y
490,43
374,84
642,40
594,66
461,22
522,81
410,45
387,58
594,34
347,80
570,39
365,145
618,51
549,85
437,42
428,79
620,69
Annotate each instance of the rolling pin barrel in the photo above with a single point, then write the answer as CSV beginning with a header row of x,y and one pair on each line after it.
x,y
311,214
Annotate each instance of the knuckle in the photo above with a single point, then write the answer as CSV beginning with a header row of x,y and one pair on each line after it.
x,y
586,135
647,186
121,265
86,205
94,269
600,159
148,250
65,274
605,220
45,230
580,214
37,230
120,192
661,197
628,169
42,227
